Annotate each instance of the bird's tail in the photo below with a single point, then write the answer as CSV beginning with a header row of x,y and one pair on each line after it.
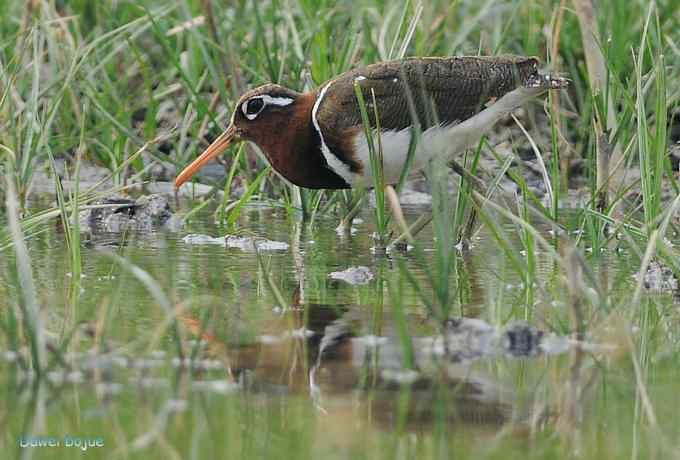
x,y
538,80
545,81
519,71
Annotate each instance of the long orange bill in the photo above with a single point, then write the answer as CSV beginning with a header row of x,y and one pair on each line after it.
x,y
218,146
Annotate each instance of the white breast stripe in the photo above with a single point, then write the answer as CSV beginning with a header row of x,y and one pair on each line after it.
x,y
337,166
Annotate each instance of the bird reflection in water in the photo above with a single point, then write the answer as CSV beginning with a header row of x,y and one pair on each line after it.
x,y
329,353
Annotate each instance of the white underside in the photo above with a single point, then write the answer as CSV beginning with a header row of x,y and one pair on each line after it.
x,y
395,146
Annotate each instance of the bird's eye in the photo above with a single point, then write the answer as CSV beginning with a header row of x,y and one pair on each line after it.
x,y
252,107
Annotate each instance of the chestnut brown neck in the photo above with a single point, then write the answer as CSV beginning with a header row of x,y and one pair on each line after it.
x,y
293,148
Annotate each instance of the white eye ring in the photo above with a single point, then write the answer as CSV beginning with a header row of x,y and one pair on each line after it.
x,y
266,100
246,105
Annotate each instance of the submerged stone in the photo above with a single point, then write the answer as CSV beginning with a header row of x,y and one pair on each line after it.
x,y
244,243
468,339
215,386
198,239
251,244
353,275
522,339
659,278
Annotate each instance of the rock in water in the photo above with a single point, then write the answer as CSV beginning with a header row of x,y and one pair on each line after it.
x,y
659,278
152,211
353,275
118,214
244,243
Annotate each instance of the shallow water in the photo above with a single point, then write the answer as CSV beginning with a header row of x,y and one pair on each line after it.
x,y
279,360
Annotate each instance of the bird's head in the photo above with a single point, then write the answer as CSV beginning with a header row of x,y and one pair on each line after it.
x,y
258,117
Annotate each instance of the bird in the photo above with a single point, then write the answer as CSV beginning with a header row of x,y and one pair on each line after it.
x,y
317,139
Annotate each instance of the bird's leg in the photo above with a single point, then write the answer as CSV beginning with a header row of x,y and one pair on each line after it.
x,y
465,174
415,228
346,222
409,233
395,207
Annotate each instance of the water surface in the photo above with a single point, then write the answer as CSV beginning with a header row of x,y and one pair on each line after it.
x,y
278,360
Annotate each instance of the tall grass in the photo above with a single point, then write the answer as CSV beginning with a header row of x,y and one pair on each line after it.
x,y
652,144
29,314
89,83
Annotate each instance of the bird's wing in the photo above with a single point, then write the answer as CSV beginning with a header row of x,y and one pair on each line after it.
x,y
431,90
